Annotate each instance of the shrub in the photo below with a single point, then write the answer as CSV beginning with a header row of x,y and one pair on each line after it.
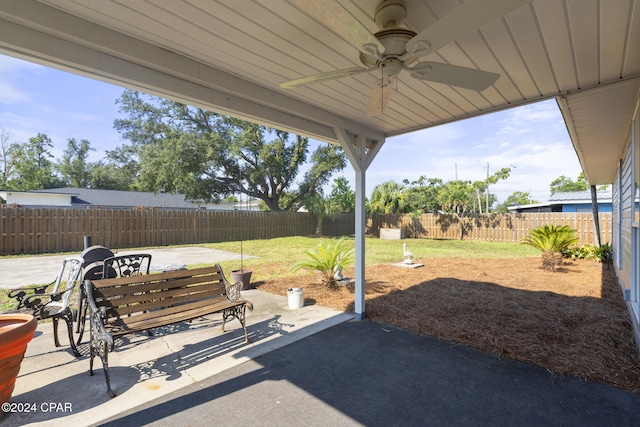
x,y
602,253
585,251
328,258
552,240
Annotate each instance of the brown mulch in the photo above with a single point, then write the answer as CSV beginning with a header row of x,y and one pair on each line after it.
x,y
572,321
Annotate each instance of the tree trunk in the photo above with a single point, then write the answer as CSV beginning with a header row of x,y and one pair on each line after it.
x,y
272,204
551,260
460,218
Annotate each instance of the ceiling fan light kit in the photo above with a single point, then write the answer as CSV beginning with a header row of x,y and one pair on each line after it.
x,y
395,48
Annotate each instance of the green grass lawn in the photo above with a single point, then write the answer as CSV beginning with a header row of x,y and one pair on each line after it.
x,y
280,253
285,251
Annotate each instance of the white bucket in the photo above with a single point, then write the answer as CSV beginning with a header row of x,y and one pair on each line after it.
x,y
296,297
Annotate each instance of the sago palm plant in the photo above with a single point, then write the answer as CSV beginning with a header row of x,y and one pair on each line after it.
x,y
551,240
327,258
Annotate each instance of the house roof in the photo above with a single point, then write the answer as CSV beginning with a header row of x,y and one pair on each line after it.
x,y
121,199
230,56
568,198
579,197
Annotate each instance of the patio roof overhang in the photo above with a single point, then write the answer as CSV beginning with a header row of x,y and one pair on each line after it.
x,y
229,56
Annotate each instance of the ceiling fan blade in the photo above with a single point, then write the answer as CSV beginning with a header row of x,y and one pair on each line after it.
x,y
468,78
331,14
380,94
317,78
465,19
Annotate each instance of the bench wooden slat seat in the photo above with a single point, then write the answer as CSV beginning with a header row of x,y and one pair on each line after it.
x,y
133,304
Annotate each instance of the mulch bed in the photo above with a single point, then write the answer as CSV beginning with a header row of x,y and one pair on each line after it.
x,y
572,321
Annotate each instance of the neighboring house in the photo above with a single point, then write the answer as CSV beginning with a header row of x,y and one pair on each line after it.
x,y
113,199
91,198
29,198
253,205
572,201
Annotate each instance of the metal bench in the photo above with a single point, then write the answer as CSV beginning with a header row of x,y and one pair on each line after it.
x,y
126,305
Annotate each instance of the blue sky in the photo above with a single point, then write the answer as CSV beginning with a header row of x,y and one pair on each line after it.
x,y
532,140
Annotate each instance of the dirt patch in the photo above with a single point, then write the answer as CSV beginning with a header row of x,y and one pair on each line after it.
x,y
572,321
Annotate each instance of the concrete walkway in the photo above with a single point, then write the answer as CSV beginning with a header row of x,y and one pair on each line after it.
x,y
21,271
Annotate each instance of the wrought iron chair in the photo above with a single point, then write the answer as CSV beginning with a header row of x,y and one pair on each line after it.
x,y
126,265
54,304
111,267
93,258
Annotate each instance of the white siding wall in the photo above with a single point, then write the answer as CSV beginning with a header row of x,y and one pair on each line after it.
x,y
38,199
625,187
626,220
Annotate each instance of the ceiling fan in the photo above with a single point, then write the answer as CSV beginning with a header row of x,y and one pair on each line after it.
x,y
395,48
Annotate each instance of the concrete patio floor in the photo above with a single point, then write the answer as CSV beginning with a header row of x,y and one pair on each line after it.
x,y
309,366
144,368
365,373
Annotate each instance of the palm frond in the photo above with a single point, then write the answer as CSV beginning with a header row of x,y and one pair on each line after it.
x,y
326,258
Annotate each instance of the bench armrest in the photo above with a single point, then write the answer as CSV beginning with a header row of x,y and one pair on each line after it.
x,y
232,292
97,317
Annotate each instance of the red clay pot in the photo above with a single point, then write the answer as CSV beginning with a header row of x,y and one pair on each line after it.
x,y
16,330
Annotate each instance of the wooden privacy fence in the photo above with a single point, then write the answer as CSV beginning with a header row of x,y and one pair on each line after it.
x,y
511,227
50,230
42,230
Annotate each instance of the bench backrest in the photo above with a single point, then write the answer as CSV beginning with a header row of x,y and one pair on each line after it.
x,y
128,295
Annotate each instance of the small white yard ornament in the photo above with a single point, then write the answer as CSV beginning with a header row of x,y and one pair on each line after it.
x,y
408,256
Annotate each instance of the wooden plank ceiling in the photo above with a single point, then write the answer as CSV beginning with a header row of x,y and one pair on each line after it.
x,y
545,49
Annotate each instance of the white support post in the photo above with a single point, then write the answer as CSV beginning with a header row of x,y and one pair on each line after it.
x,y
361,151
360,220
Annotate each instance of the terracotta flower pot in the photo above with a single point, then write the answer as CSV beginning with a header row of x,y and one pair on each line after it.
x,y
16,330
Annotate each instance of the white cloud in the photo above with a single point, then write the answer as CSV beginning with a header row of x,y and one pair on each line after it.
x,y
11,94
532,140
12,72
539,112
421,139
10,64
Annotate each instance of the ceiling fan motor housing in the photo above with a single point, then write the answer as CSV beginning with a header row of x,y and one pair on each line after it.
x,y
394,41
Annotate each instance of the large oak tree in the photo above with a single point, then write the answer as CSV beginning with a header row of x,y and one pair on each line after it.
x,y
208,156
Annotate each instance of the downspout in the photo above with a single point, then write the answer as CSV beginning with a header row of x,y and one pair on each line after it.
x,y
596,216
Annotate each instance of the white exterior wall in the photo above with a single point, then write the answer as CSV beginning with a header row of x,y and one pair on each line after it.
x,y
626,222
37,199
